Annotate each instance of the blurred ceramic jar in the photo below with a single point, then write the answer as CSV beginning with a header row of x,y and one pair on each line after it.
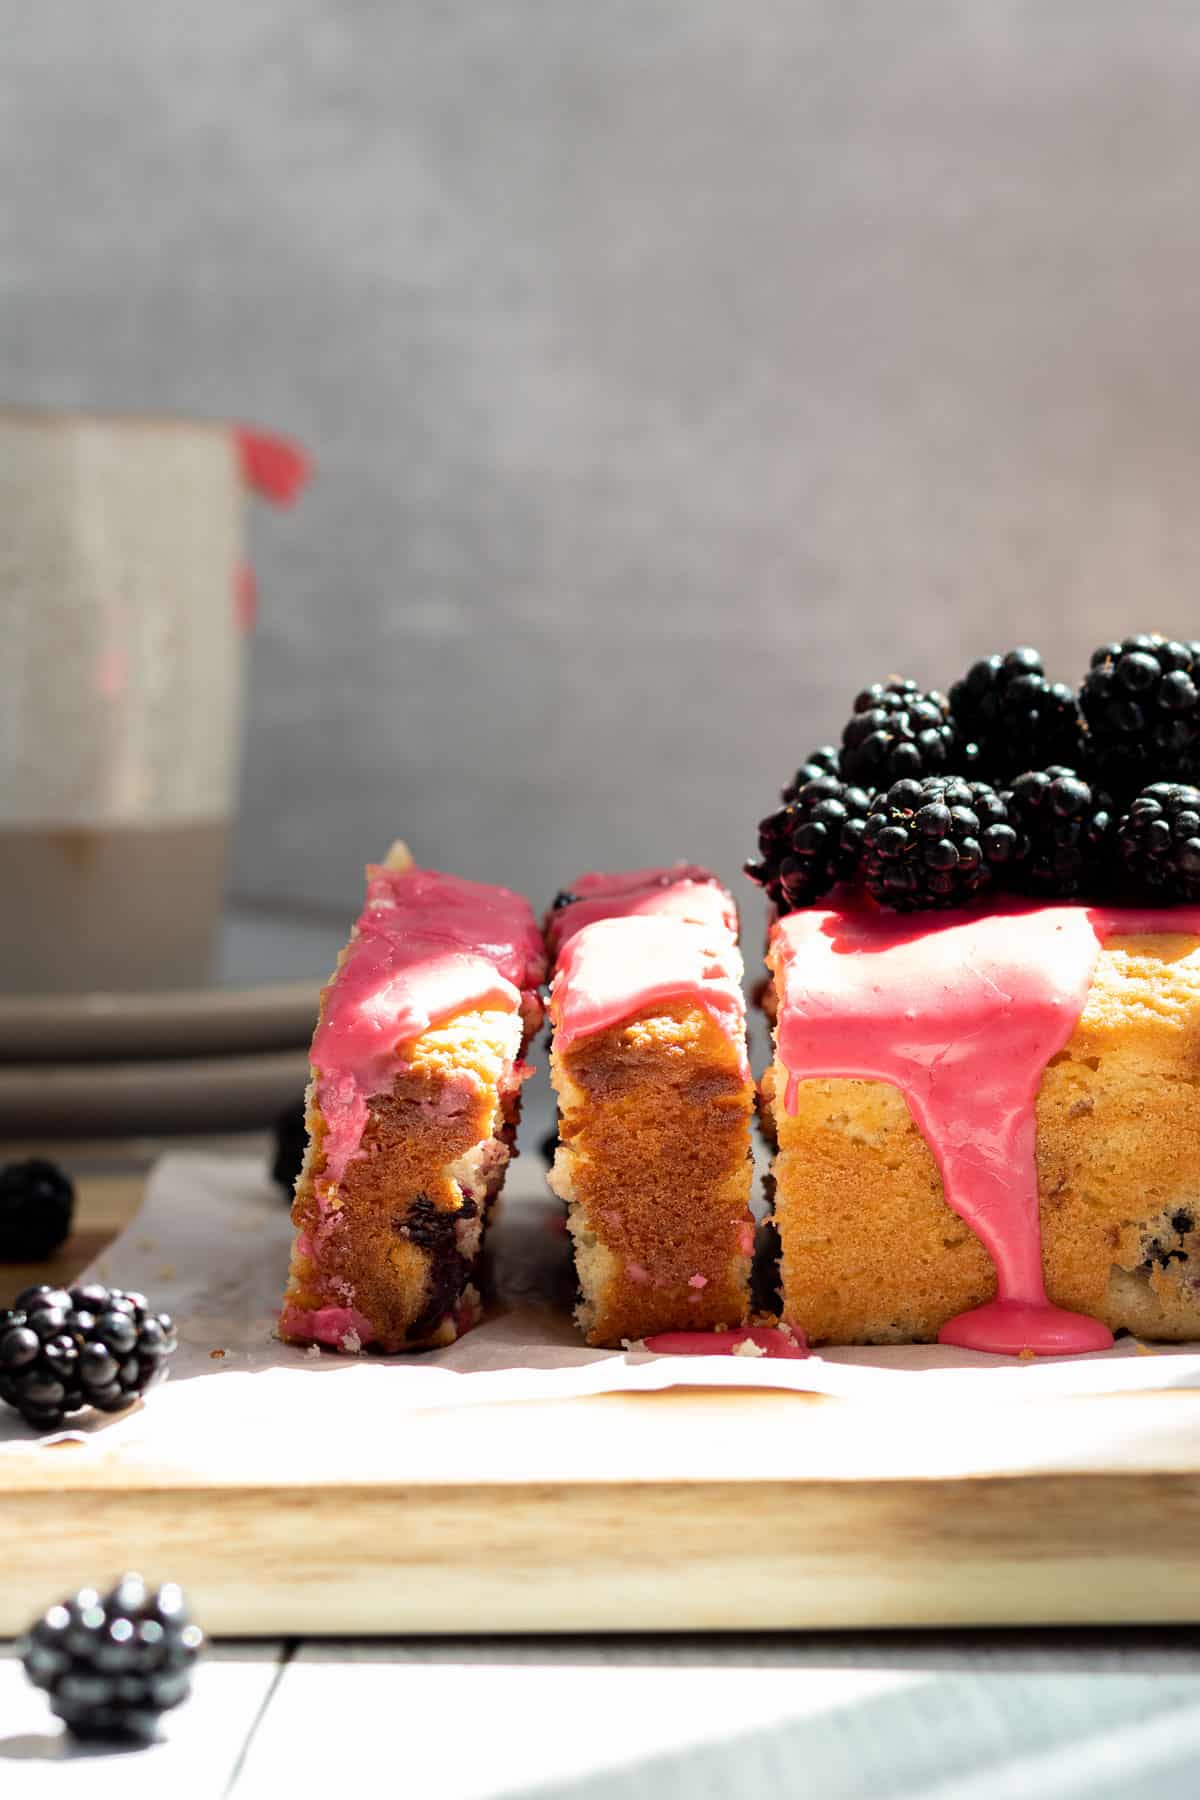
x,y
124,601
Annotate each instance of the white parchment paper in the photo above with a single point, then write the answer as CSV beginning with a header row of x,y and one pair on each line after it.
x,y
210,1245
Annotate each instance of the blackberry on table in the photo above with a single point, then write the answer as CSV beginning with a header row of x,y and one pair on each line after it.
x,y
825,760
291,1141
1141,699
1018,719
1067,826
37,1206
62,1350
112,1664
810,843
897,730
937,842
1159,842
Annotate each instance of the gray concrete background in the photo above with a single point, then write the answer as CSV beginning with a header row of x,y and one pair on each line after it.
x,y
674,368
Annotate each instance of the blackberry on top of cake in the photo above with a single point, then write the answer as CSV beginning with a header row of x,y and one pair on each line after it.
x,y
1042,792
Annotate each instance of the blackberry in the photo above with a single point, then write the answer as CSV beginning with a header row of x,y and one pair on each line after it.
x,y
897,730
1018,719
37,1205
810,843
113,1663
1159,842
92,1346
825,760
291,1141
936,842
1067,826
1141,699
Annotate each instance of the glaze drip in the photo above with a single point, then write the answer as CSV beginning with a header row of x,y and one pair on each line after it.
x,y
961,1011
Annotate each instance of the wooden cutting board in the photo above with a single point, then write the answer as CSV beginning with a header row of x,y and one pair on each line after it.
x,y
682,1510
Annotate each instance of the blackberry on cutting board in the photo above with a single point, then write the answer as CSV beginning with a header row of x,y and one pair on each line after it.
x,y
37,1205
1141,700
898,730
825,760
1159,843
810,843
112,1664
61,1351
1067,827
937,842
1018,719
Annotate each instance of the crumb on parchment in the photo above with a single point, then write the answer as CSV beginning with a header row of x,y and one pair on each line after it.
x,y
215,1355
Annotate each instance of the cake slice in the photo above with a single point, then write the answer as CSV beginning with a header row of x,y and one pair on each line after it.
x,y
417,1064
987,1125
655,1098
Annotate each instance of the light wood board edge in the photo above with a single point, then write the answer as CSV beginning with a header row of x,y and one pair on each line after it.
x,y
719,1556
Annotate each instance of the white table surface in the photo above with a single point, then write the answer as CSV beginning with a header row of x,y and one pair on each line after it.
x,y
981,1716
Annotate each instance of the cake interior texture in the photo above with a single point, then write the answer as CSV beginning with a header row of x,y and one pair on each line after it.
x,y
653,1163
397,1244
872,1254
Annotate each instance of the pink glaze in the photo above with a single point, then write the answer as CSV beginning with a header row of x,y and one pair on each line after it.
x,y
773,1340
650,937
426,948
325,1325
961,1011
681,891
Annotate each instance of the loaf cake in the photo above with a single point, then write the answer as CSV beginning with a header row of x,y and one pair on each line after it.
x,y
417,1065
970,1105
655,1098
985,978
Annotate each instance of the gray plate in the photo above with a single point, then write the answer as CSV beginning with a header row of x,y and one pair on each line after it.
x,y
121,1099
263,997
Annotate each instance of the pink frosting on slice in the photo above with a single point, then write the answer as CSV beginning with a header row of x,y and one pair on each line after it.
x,y
426,947
961,1011
681,891
647,938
